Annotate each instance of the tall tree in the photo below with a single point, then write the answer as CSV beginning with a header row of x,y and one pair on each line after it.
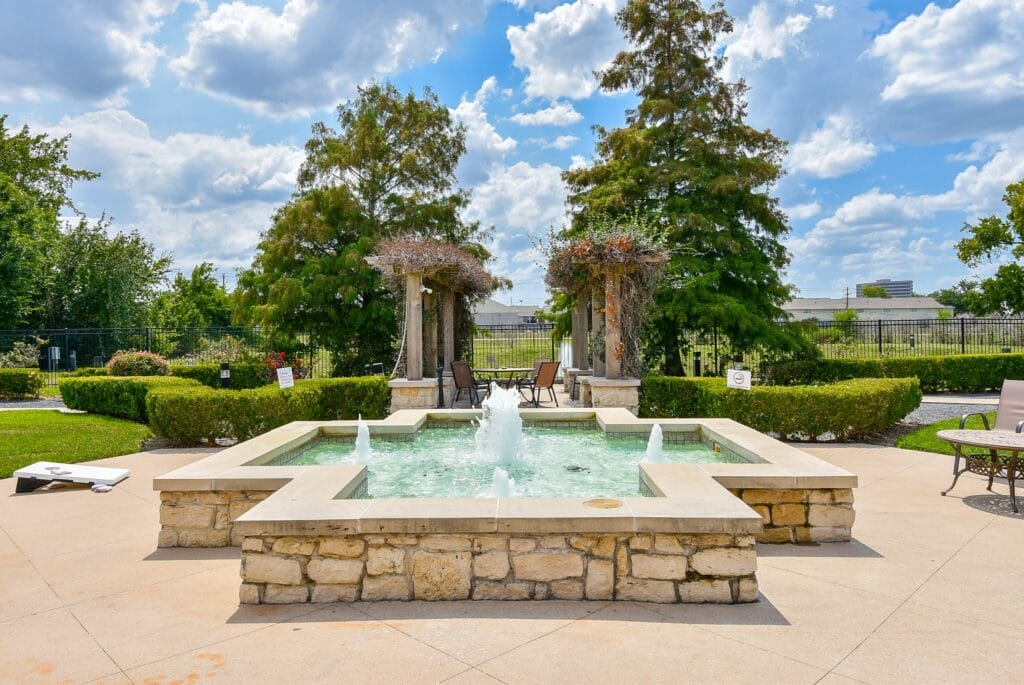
x,y
388,171
874,291
196,301
992,239
686,158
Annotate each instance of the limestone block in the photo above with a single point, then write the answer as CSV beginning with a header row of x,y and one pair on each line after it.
x,y
598,546
819,497
830,517
600,582
775,536
263,568
842,496
335,571
522,544
698,591
661,591
622,561
821,534
553,542
374,539
567,589
252,545
210,537
659,566
544,567
303,546
724,561
788,515
385,560
641,542
334,593
167,537
486,543
445,543
440,575
802,534
748,590
204,497
707,540
249,593
669,544
383,588
764,511
342,547
402,539
541,591
187,515
220,518
744,540
503,591
492,565
239,506
235,538
285,594
756,496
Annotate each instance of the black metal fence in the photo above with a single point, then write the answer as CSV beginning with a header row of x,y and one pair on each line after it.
x,y
517,345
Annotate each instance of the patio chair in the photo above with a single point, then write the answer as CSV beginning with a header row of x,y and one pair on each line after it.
x,y
530,375
466,380
544,379
1009,419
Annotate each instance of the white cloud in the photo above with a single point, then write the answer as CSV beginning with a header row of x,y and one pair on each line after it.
x,y
833,149
311,55
974,48
202,196
558,114
85,51
824,11
563,142
803,211
562,48
484,145
520,197
760,38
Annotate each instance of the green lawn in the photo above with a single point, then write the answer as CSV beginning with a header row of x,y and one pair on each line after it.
x,y
924,439
31,436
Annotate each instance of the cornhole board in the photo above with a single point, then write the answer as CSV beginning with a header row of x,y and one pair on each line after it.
x,y
45,472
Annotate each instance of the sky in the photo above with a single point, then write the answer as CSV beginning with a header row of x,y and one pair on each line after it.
x,y
904,119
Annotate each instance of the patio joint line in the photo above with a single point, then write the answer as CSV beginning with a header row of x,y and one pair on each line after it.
x,y
908,598
474,668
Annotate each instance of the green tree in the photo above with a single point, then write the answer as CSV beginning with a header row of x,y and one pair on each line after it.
x,y
845,320
992,239
874,291
686,158
103,280
388,171
27,234
196,301
963,297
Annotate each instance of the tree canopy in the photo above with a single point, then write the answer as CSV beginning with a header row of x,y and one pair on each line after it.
x,y
992,239
874,291
195,301
687,159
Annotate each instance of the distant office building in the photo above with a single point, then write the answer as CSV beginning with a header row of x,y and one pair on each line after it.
x,y
867,308
894,288
490,312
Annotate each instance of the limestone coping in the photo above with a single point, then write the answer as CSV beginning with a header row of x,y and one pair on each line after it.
x,y
602,382
690,498
406,383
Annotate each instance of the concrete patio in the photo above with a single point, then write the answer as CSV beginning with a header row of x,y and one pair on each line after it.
x,y
925,593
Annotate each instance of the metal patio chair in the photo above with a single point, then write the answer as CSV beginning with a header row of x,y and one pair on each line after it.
x,y
466,380
544,379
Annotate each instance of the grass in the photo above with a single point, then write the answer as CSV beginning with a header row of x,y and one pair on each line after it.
x,y
30,436
924,439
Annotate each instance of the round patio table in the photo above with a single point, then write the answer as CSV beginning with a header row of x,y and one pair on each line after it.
x,y
497,373
990,464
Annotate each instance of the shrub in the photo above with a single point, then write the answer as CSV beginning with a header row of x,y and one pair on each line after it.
x,y
847,409
120,396
195,415
20,383
951,373
137,364
244,375
22,355
88,372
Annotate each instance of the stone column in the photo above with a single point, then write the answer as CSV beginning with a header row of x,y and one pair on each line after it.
x,y
448,327
413,327
613,347
429,336
597,322
579,336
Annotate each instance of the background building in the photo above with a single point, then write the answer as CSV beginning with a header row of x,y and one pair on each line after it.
x,y
490,312
867,308
894,288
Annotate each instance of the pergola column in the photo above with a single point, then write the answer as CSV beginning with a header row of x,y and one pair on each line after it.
x,y
448,327
614,350
429,335
579,335
413,327
597,322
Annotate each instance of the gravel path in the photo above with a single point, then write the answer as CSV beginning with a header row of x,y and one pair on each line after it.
x,y
933,411
41,403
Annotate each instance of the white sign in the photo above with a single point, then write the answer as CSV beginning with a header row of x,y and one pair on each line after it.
x,y
737,378
284,377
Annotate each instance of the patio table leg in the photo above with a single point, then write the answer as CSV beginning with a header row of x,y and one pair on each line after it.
x,y
956,471
1011,473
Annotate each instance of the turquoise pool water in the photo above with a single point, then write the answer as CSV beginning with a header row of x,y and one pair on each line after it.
x,y
554,462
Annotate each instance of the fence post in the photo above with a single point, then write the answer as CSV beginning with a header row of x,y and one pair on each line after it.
x,y
963,336
149,339
879,337
715,329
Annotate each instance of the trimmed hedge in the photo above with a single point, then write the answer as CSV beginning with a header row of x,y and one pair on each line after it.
x,y
88,372
122,396
191,416
20,382
950,373
131,363
846,409
244,376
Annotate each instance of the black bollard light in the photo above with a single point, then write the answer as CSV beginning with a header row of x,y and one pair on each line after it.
x,y
225,375
440,387
696,363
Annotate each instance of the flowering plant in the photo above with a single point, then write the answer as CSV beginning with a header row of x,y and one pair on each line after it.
x,y
277,360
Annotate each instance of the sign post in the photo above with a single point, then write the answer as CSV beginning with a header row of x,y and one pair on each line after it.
x,y
738,378
285,378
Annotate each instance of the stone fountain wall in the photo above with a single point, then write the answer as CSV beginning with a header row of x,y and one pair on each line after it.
x,y
204,518
824,515
648,567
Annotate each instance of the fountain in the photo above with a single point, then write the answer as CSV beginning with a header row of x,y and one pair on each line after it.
x,y
504,484
654,444
362,440
499,438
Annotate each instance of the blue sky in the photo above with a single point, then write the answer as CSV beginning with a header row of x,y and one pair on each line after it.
x,y
904,118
